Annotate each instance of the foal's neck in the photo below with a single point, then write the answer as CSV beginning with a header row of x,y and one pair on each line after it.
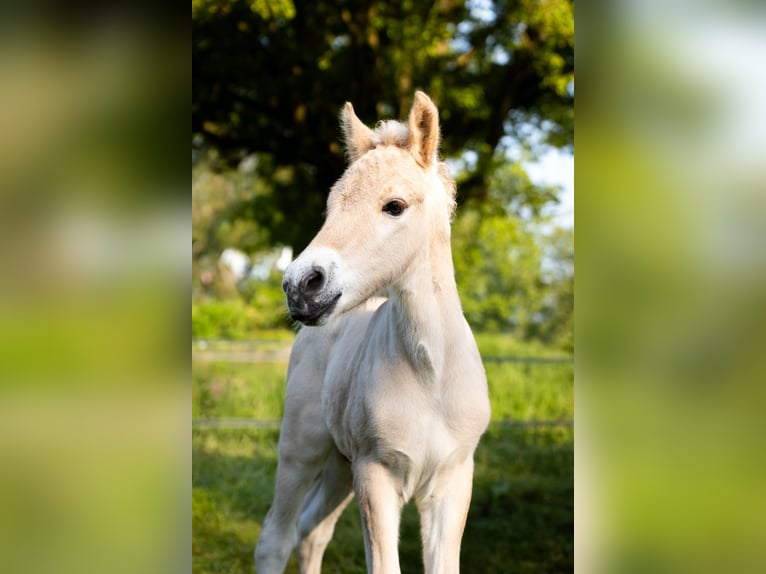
x,y
428,317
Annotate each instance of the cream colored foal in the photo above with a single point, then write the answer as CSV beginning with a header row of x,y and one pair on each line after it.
x,y
386,397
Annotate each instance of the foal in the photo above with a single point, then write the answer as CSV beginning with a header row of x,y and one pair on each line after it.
x,y
386,398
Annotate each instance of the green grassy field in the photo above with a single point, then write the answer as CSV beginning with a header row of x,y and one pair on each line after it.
x,y
521,516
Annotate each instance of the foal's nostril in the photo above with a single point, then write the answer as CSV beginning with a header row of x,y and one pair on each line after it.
x,y
313,281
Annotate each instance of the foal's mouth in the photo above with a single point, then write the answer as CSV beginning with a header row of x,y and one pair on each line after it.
x,y
313,313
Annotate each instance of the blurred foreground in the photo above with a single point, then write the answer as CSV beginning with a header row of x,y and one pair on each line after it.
x,y
671,295
93,306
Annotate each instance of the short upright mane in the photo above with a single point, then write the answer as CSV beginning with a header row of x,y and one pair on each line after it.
x,y
391,132
359,139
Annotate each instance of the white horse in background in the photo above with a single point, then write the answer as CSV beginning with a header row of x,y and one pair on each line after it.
x,y
386,398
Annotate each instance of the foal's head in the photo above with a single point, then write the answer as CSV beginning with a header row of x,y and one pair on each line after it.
x,y
391,206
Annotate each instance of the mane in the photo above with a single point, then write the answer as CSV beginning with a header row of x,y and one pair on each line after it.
x,y
443,171
392,132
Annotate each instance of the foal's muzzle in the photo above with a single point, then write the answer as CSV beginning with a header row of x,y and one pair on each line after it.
x,y
309,299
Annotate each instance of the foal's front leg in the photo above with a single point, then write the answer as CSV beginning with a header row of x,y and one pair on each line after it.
x,y
380,501
323,506
304,445
295,475
442,518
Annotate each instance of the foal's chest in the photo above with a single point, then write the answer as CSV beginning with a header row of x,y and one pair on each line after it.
x,y
391,414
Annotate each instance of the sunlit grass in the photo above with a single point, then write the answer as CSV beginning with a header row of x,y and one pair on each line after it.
x,y
525,392
223,389
518,391
521,516
501,344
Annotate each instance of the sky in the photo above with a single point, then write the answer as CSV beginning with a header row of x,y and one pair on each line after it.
x,y
556,167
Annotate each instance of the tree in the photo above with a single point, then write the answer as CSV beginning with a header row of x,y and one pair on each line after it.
x,y
556,324
515,271
270,76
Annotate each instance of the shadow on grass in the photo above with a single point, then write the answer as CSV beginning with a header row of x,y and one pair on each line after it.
x,y
522,513
520,520
232,483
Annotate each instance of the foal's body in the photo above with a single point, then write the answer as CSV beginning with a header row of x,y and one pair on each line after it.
x,y
387,399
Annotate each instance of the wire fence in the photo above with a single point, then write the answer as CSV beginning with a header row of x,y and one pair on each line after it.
x,y
274,424
529,360
278,351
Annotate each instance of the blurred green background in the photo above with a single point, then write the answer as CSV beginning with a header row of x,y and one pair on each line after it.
x,y
671,293
94,224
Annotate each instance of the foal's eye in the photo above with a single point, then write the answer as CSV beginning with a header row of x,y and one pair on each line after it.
x,y
395,207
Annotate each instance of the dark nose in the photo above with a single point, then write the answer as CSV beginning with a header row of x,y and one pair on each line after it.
x,y
312,282
308,285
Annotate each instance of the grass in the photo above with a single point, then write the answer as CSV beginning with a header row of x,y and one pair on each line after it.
x,y
518,391
222,389
529,392
521,516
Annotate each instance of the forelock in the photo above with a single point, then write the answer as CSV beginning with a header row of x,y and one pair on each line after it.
x,y
391,132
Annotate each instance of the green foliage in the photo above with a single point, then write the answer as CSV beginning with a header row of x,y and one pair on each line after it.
x,y
557,312
269,301
218,195
221,217
236,319
515,272
224,319
270,77
227,211
495,266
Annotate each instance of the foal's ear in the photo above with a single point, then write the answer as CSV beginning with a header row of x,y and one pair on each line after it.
x,y
356,135
424,130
